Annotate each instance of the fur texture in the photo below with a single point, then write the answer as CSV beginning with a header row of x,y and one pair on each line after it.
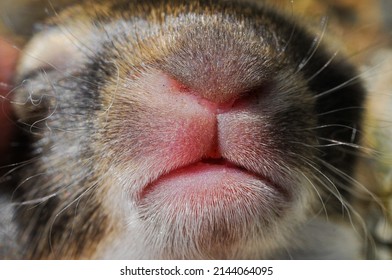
x,y
120,103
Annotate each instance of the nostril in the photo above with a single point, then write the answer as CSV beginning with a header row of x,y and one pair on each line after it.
x,y
252,97
216,103
224,107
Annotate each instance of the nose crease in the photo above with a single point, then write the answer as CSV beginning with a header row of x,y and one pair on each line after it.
x,y
214,151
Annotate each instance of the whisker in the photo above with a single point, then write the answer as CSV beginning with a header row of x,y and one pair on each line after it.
x,y
324,208
333,56
331,112
354,79
346,207
77,42
370,196
315,45
293,29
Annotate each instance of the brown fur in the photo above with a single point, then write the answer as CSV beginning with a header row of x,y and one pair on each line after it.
x,y
82,139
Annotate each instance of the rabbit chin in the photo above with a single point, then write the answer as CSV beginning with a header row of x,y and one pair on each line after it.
x,y
247,218
287,237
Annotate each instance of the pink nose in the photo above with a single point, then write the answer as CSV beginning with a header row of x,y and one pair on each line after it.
x,y
217,103
179,126
212,108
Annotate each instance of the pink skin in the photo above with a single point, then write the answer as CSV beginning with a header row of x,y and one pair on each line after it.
x,y
8,57
200,150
